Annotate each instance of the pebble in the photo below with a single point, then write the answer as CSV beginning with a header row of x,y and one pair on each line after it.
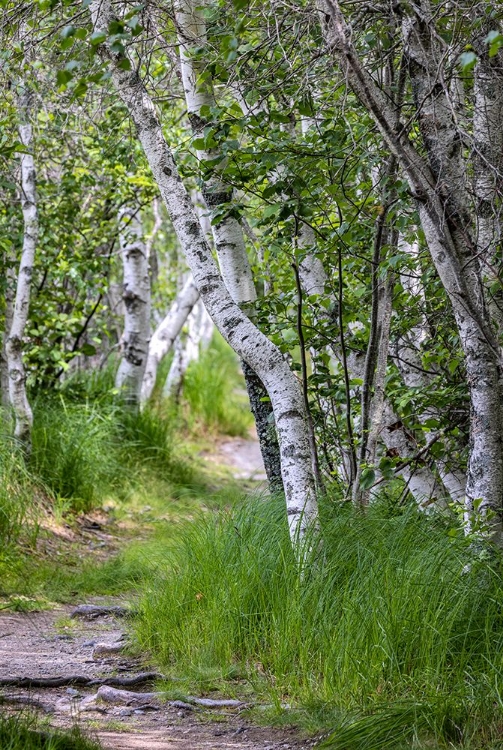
x,y
89,644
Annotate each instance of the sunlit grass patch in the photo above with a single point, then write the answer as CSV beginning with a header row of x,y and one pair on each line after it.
x,y
391,618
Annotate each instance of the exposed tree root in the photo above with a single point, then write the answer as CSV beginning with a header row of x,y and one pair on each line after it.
x,y
25,700
56,682
91,611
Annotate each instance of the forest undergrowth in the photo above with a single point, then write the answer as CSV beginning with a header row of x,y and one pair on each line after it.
x,y
389,633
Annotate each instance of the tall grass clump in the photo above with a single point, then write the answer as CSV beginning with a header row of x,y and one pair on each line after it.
x,y
214,392
23,733
74,451
148,438
17,489
392,617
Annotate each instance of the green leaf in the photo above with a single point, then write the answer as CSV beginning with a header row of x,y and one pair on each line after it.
x,y
97,37
62,77
495,41
367,478
467,61
67,31
88,350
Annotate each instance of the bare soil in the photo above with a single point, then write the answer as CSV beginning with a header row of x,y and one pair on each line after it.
x,y
49,644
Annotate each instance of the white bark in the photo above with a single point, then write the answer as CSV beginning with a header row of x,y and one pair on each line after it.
x,y
385,424
188,347
251,345
227,232
166,333
136,296
440,188
488,170
14,344
411,369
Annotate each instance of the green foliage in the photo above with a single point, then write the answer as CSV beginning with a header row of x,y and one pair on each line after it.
x,y
148,438
22,733
17,490
74,451
390,619
213,392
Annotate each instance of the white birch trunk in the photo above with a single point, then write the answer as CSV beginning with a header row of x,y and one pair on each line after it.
x,y
14,344
136,296
441,192
410,366
385,424
166,333
488,170
251,345
187,349
228,234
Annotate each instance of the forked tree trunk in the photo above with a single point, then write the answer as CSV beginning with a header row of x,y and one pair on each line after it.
x,y
136,296
260,353
14,344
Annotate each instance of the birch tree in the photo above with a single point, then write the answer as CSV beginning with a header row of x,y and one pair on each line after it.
x,y
258,351
227,232
14,344
166,334
136,297
438,181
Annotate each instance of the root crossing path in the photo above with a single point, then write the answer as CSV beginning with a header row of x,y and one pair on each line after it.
x,y
77,670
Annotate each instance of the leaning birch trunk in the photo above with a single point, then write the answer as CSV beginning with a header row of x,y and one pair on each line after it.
x,y
248,342
166,333
186,350
14,344
228,234
136,296
439,185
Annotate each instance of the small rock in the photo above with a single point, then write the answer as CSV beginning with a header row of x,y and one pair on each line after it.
x,y
125,712
72,692
138,712
89,644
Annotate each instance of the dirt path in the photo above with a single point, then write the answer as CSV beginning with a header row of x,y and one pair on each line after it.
x,y
241,457
50,644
